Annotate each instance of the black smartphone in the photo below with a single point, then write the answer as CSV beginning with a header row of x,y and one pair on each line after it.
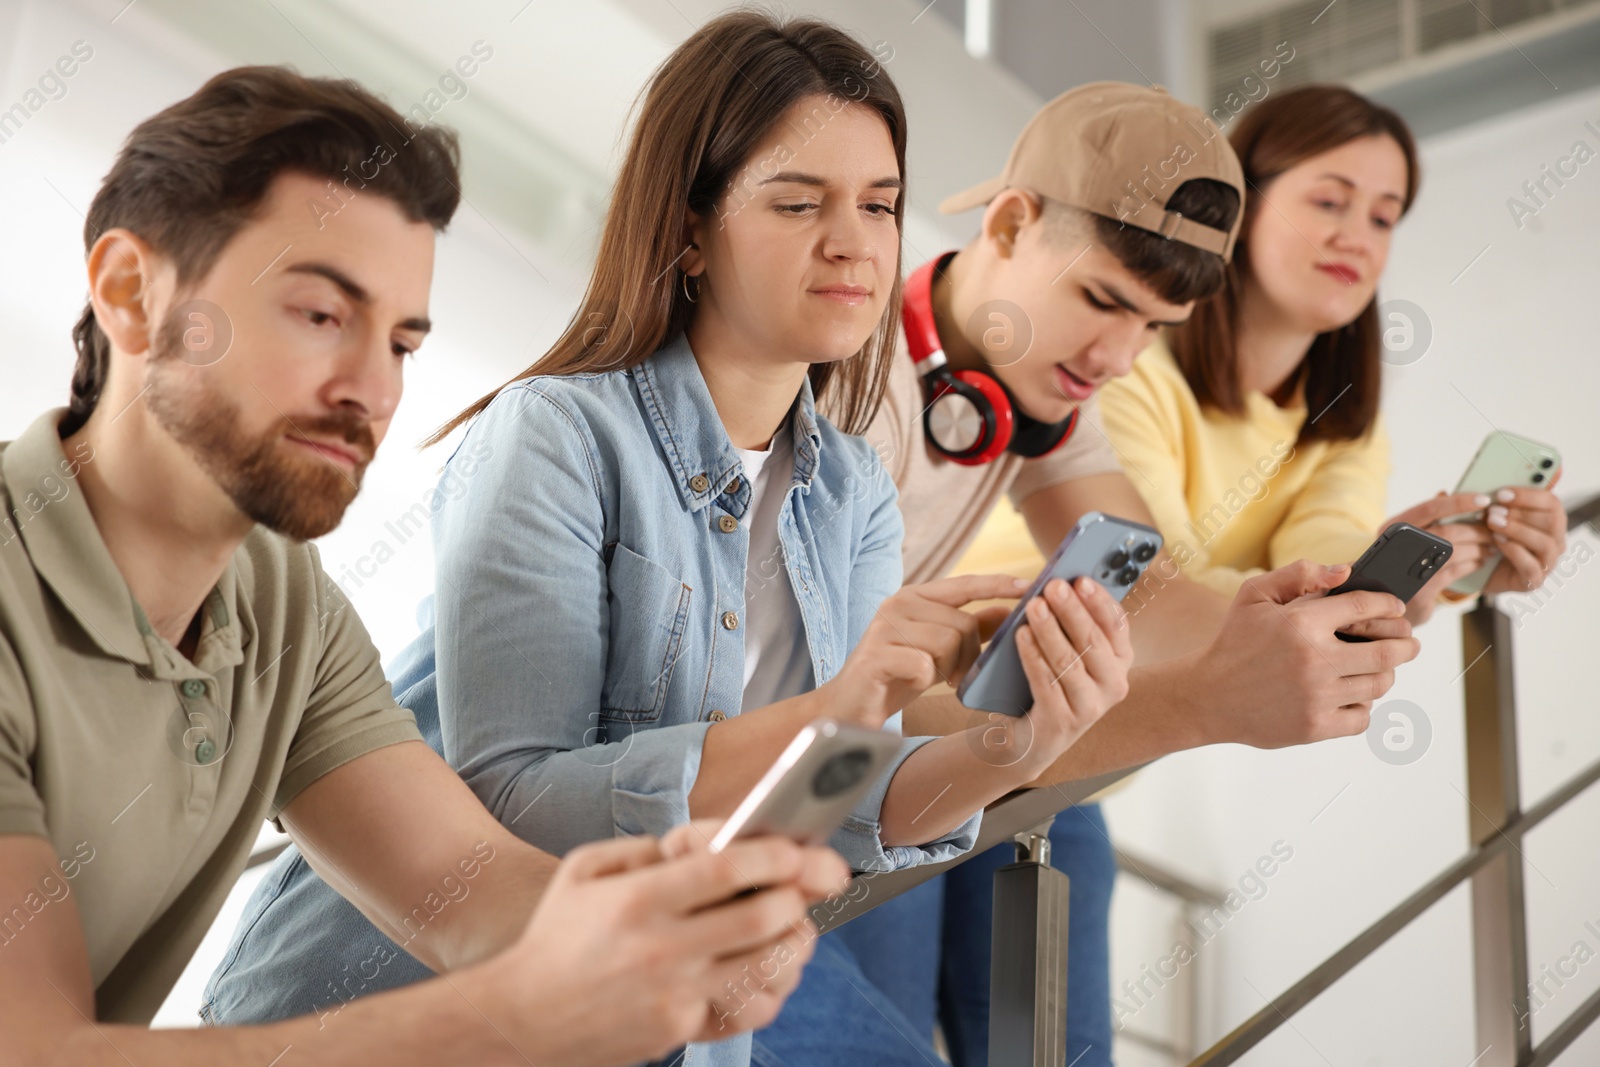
x,y
1399,562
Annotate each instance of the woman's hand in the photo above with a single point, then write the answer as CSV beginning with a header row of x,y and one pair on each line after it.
x,y
919,636
1529,527
1076,653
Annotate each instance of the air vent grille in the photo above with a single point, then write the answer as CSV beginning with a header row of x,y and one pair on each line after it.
x,y
1336,41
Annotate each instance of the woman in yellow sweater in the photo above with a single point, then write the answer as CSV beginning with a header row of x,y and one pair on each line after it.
x,y
1252,430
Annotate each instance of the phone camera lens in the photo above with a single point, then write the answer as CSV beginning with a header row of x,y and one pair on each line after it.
x,y
1118,560
1128,576
1546,463
1144,553
841,772
1537,478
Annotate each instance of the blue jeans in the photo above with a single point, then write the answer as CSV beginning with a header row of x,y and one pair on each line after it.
x,y
926,954
838,1016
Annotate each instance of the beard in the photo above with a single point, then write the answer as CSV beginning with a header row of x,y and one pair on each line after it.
x,y
298,496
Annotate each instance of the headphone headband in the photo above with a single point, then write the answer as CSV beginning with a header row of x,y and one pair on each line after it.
x,y
916,317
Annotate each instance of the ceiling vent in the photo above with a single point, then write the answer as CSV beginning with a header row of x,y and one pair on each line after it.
x,y
1339,40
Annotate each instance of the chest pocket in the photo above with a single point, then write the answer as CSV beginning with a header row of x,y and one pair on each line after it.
x,y
649,609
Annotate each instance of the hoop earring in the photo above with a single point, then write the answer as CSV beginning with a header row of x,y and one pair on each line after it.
x,y
686,294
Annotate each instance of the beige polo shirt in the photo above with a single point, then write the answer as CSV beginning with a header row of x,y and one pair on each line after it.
x,y
149,774
945,504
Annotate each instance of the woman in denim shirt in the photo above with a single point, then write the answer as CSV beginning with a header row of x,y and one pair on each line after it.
x,y
585,663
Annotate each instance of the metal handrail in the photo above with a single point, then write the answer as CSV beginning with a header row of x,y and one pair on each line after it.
x,y
1253,1030
1500,927
1003,820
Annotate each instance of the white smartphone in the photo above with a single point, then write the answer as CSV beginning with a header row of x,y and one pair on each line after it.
x,y
1504,459
1112,551
815,783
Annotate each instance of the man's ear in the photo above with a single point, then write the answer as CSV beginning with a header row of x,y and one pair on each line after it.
x,y
1007,214
121,268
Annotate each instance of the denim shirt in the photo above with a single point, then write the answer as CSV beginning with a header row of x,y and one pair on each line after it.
x,y
586,631
589,605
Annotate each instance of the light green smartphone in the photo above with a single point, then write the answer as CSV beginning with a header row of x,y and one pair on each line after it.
x,y
1504,459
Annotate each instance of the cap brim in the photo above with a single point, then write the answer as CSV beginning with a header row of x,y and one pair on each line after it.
x,y
977,196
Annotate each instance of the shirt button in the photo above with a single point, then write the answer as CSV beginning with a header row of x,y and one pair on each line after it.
x,y
205,751
699,483
194,688
716,716
730,620
728,524
733,487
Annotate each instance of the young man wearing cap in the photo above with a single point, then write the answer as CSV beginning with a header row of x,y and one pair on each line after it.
x,y
175,667
1117,210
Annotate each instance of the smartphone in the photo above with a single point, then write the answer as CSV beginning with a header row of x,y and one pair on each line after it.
x,y
816,782
1504,459
1400,562
1112,551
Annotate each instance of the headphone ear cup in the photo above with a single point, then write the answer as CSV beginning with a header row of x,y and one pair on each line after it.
x,y
1033,438
997,401
963,421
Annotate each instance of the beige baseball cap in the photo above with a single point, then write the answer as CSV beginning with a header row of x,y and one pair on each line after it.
x,y
1121,151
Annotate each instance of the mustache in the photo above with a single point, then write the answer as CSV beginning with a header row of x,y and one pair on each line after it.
x,y
348,426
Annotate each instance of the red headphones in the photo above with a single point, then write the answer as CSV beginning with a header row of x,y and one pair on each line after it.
x,y
969,416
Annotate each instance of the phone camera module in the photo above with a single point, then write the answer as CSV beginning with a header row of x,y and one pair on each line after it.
x,y
1537,478
1546,463
841,772
1144,553
1128,576
1118,560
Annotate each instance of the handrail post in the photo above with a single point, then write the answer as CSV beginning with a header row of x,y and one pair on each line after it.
x,y
1028,958
1499,918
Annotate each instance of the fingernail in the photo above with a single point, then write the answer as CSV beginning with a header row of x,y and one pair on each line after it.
x,y
1505,496
1020,584
1088,586
1499,538
1481,500
1497,516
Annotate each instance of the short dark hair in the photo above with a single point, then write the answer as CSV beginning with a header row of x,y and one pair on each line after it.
x,y
189,178
1178,272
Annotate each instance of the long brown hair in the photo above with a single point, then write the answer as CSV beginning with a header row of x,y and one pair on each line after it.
x,y
189,178
703,114
1277,134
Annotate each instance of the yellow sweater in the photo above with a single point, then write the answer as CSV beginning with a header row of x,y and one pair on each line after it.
x,y
1234,496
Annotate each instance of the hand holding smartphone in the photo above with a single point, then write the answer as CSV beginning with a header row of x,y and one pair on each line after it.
x,y
1399,562
813,786
1503,460
1112,551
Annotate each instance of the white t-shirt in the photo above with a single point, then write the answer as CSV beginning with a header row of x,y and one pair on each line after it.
x,y
777,661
